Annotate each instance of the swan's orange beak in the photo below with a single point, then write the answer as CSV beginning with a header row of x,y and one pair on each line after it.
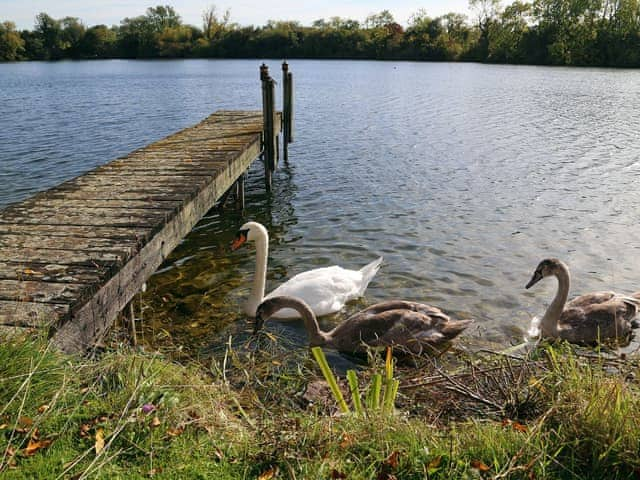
x,y
241,238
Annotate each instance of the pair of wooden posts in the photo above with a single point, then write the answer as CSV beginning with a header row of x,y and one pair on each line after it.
x,y
270,140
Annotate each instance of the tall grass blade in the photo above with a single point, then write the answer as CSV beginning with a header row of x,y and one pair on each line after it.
x,y
352,378
388,365
373,395
390,393
318,354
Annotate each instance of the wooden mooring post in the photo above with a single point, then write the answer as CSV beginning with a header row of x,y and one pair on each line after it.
x,y
269,141
287,109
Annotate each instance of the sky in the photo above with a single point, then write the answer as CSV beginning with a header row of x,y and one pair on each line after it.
x,y
244,12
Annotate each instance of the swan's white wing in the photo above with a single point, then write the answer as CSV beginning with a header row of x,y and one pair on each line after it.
x,y
325,290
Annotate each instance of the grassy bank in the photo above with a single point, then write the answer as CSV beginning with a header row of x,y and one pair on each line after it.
x,y
265,413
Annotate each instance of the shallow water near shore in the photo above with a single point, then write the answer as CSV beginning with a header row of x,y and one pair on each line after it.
x,y
463,176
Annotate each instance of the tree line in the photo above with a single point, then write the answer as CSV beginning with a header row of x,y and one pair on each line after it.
x,y
549,32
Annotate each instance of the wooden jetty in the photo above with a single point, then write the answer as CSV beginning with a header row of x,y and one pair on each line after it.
x,y
72,257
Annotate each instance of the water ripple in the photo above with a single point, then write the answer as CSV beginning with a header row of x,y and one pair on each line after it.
x,y
463,176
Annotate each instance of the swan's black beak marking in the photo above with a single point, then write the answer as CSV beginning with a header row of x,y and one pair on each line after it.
x,y
537,276
240,239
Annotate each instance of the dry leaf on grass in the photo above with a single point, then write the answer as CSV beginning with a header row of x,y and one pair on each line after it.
x,y
174,432
269,474
480,466
84,430
99,441
514,424
25,421
392,459
347,440
34,445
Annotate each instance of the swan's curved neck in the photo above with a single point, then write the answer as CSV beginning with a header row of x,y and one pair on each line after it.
x,y
549,323
260,276
316,336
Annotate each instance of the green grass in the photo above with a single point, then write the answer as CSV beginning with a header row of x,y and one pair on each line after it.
x,y
554,414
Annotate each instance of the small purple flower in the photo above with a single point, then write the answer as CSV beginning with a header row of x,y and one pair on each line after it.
x,y
148,408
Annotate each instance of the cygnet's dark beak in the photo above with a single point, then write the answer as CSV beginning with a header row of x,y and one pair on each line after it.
x,y
537,276
258,323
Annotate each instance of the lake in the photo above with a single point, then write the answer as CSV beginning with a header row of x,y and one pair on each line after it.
x,y
463,176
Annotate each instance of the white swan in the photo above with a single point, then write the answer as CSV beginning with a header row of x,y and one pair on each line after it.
x,y
325,290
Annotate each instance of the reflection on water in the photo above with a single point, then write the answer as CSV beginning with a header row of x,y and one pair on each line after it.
x,y
462,176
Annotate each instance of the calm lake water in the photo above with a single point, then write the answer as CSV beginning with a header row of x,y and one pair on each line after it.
x,y
462,176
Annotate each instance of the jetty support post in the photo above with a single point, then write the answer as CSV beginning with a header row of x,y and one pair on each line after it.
x,y
269,145
240,192
287,107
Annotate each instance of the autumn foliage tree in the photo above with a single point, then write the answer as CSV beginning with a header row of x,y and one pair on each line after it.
x,y
11,43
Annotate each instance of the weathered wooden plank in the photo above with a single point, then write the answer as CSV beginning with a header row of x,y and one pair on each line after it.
x,y
123,194
47,242
58,202
32,314
87,216
142,174
139,234
42,292
135,181
54,272
75,220
43,210
185,168
92,320
63,257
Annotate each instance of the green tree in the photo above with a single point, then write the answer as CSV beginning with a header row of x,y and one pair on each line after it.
x,y
72,34
507,36
378,20
213,26
163,16
11,43
137,38
50,33
487,12
99,41
175,42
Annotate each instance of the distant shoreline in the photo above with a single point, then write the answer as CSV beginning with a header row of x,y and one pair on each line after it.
x,y
551,33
